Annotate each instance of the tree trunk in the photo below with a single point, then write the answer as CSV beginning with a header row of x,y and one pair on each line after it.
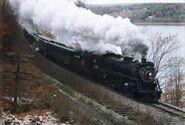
x,y
16,81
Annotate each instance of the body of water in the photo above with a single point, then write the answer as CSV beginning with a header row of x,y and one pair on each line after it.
x,y
178,30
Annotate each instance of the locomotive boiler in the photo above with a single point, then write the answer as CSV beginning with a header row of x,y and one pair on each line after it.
x,y
132,76
124,74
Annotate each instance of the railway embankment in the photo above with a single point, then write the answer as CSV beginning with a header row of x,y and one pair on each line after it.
x,y
95,112
110,103
38,95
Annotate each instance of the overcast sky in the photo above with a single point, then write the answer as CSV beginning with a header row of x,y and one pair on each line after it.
x,y
131,1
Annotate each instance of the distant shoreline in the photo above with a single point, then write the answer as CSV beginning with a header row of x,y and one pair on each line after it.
x,y
160,23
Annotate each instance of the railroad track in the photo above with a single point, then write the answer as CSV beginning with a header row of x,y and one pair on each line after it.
x,y
167,108
172,110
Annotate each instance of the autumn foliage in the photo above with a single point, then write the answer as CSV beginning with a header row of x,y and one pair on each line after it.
x,y
9,28
4,29
10,40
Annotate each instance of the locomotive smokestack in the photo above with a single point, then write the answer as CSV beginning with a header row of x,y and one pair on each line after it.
x,y
143,59
137,47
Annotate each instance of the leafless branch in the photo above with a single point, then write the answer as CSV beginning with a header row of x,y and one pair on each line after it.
x,y
160,49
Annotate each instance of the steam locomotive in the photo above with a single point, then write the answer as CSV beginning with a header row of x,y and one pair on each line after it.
x,y
121,73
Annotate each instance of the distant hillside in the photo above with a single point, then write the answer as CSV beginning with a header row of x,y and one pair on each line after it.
x,y
166,12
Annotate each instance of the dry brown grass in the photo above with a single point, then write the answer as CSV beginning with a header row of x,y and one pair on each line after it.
x,y
63,106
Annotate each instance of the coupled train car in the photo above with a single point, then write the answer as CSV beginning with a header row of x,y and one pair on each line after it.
x,y
121,73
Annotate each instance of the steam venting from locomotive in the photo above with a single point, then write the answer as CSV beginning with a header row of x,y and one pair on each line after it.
x,y
72,25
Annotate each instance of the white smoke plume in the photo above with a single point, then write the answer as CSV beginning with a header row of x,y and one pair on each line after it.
x,y
73,25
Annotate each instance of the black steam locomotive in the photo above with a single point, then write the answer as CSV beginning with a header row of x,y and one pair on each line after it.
x,y
122,73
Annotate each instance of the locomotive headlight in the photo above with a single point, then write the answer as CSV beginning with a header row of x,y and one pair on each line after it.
x,y
150,74
147,75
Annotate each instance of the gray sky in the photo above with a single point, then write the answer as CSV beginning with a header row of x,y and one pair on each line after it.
x,y
131,1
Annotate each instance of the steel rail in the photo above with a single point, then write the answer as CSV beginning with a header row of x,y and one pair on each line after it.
x,y
172,110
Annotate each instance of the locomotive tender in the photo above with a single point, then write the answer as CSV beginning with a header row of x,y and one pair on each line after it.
x,y
122,73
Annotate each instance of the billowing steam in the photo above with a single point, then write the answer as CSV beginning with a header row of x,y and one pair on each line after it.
x,y
73,25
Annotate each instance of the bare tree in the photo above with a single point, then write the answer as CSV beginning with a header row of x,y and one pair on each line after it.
x,y
175,81
160,49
